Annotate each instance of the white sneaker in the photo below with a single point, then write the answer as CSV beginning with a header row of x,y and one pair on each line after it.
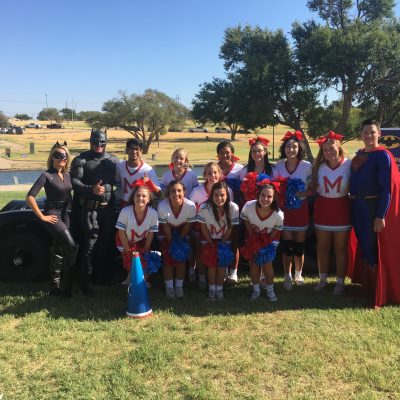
x,y
255,295
299,280
179,292
219,295
287,284
211,295
170,293
338,290
320,286
232,278
272,296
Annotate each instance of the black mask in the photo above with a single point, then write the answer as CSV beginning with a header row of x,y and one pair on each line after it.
x,y
98,138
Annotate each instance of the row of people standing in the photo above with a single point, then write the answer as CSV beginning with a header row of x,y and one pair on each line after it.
x,y
293,166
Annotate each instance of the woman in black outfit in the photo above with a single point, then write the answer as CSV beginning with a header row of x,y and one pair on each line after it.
x,y
57,185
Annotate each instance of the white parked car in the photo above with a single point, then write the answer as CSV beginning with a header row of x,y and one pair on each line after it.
x,y
33,125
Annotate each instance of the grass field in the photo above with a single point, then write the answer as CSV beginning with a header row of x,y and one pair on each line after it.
x,y
306,346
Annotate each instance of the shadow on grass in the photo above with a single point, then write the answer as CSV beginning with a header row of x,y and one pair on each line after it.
x,y
109,303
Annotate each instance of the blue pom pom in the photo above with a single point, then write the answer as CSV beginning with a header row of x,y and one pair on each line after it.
x,y
292,187
225,255
262,176
265,255
180,248
153,261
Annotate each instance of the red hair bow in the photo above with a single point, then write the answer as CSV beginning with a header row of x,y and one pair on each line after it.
x,y
330,135
275,184
260,139
234,158
145,183
171,166
293,135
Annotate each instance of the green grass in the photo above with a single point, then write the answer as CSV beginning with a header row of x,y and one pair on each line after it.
x,y
306,346
6,197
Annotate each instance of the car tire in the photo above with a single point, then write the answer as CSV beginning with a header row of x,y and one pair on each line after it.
x,y
25,257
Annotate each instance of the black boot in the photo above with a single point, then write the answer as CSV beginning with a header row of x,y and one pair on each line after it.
x,y
56,265
70,253
85,275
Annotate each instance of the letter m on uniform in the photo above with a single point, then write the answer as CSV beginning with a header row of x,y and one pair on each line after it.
x,y
336,184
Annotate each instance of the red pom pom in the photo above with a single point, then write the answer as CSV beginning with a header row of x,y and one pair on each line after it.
x,y
249,186
253,244
208,255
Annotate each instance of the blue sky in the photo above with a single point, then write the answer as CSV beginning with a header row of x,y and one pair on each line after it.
x,y
84,51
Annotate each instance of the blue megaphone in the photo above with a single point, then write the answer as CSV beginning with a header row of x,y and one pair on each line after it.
x,y
138,299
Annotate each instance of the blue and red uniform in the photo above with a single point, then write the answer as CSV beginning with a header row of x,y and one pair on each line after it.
x,y
375,193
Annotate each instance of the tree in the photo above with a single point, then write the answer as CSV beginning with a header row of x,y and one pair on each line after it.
x,y
145,116
225,102
22,117
276,87
49,114
383,104
3,120
356,49
67,114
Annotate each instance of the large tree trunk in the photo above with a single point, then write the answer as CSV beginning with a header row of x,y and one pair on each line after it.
x,y
307,147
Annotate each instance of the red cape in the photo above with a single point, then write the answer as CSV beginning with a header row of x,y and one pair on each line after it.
x,y
383,283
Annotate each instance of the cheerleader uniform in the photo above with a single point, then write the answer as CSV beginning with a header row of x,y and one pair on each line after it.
x,y
296,219
234,171
136,230
332,205
260,225
244,170
216,228
189,179
125,176
187,213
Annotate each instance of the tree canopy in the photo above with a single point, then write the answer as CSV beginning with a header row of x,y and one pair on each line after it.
x,y
3,120
355,50
145,116
49,114
22,117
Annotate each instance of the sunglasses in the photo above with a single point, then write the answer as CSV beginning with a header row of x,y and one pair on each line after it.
x,y
60,156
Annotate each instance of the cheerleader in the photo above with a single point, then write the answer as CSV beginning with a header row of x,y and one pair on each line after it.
x,y
179,171
258,158
127,172
298,171
263,222
136,224
219,218
175,214
212,174
331,174
230,169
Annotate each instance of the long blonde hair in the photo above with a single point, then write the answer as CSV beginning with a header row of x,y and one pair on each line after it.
x,y
56,147
320,159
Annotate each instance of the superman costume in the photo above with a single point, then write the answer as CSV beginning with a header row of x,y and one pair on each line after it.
x,y
375,193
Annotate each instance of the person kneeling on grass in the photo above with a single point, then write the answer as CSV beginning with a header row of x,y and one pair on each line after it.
x,y
176,214
263,222
219,218
136,225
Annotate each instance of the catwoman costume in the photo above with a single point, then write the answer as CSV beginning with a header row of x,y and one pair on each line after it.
x,y
64,249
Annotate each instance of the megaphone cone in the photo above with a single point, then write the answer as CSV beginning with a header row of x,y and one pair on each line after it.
x,y
138,299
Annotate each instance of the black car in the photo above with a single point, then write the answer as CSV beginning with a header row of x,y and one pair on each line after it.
x,y
15,130
55,126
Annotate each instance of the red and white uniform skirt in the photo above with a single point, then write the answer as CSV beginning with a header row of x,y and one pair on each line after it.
x,y
297,219
332,214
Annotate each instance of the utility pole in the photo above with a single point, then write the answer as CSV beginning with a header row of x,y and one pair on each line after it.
x,y
177,98
47,106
